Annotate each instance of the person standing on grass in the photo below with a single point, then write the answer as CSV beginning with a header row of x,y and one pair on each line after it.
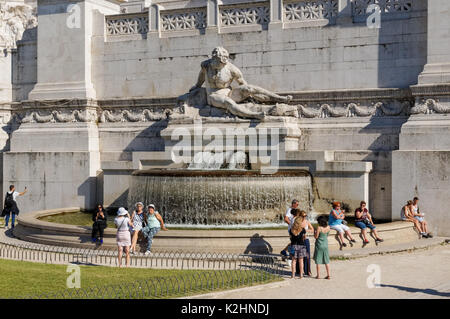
x,y
321,254
297,248
364,220
123,237
99,219
309,229
153,224
138,218
10,209
336,222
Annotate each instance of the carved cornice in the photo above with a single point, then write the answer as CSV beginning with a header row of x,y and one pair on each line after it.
x,y
55,116
430,90
92,111
431,99
431,106
310,105
356,109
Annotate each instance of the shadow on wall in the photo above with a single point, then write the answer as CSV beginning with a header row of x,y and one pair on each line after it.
x,y
387,130
121,201
149,139
88,191
402,59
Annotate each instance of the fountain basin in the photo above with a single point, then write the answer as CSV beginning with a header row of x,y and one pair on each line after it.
x,y
221,197
31,229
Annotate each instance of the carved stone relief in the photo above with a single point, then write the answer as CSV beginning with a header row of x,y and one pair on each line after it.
x,y
14,20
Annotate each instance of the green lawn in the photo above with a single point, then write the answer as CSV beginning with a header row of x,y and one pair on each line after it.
x,y
22,279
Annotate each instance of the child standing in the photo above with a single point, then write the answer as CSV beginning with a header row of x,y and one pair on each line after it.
x,y
321,255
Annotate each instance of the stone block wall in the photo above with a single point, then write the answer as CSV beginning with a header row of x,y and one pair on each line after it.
x,y
425,174
285,55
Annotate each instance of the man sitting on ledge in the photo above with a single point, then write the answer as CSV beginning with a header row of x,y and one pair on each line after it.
x,y
218,73
420,217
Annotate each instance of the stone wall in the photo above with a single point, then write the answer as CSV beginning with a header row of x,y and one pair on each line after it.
x,y
102,94
286,55
425,174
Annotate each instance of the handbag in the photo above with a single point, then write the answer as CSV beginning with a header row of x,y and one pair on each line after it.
x,y
291,249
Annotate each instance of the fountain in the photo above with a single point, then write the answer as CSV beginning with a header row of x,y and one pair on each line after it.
x,y
213,192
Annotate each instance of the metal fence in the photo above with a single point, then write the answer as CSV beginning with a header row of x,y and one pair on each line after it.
x,y
168,260
167,287
208,271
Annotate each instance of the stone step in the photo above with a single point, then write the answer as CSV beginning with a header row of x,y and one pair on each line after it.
x,y
249,241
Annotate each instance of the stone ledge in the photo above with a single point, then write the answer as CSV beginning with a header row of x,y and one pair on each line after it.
x,y
226,241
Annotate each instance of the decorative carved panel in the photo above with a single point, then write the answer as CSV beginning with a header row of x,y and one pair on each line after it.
x,y
386,6
248,14
310,10
136,23
180,21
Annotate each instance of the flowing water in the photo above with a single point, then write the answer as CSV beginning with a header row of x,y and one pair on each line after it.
x,y
221,198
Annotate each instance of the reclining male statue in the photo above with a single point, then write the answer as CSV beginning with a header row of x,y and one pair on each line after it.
x,y
218,73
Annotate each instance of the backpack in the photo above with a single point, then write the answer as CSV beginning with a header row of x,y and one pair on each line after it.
x,y
9,200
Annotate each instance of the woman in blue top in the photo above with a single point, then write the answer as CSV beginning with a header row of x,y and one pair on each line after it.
x,y
335,221
153,224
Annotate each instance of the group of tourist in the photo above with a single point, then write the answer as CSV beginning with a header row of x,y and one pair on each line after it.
x,y
299,247
148,223
298,226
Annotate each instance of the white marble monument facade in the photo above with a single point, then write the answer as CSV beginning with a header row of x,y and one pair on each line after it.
x,y
89,93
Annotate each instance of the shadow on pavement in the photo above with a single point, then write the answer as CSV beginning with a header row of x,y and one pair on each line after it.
x,y
432,292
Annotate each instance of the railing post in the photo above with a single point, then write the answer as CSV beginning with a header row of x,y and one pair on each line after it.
x,y
276,14
344,12
154,24
212,16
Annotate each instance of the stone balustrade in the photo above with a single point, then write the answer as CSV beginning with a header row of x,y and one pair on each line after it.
x,y
169,18
386,6
125,24
180,20
245,14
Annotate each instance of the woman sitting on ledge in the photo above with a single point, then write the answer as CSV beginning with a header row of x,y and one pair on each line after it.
x,y
153,224
364,220
408,215
336,220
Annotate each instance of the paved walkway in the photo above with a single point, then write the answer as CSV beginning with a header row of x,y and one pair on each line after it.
x,y
423,272
419,274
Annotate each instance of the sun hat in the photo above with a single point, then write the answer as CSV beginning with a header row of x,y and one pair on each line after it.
x,y
122,211
139,203
151,205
